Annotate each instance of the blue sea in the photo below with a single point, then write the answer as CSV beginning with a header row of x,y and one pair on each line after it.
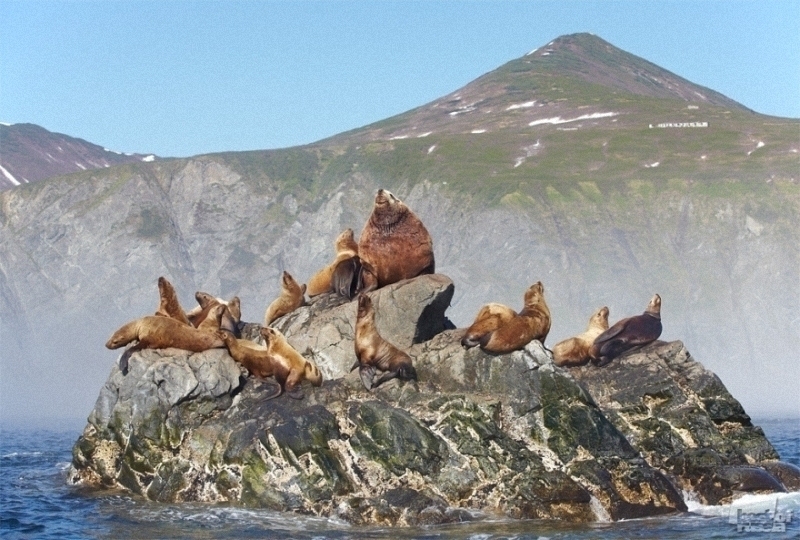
x,y
36,502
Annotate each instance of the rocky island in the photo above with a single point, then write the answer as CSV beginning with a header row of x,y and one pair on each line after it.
x,y
476,435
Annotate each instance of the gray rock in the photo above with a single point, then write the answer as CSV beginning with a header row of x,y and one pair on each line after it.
x,y
476,435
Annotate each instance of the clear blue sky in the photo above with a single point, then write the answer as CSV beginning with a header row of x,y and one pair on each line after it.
x,y
179,78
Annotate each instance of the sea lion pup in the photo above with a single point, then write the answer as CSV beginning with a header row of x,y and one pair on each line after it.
x,y
288,366
346,249
394,244
500,333
289,299
575,351
373,352
157,332
231,315
168,305
628,333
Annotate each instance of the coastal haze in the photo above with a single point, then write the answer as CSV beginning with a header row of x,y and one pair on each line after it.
x,y
579,165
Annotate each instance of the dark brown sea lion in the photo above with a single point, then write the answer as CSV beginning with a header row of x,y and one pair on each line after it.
x,y
498,332
168,305
373,352
157,332
628,333
289,299
346,250
394,244
575,351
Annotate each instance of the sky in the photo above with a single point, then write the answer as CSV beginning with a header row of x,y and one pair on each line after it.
x,y
179,78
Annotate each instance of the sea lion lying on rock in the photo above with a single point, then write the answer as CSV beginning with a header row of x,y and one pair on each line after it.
x,y
375,353
575,351
288,366
394,244
499,329
157,332
627,334
231,313
289,299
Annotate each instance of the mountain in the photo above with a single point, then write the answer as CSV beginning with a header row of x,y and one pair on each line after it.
x,y
29,153
605,177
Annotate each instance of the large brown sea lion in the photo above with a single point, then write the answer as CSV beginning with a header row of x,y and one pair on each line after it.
x,y
575,351
289,299
157,332
288,366
373,352
168,305
628,333
346,249
498,332
394,244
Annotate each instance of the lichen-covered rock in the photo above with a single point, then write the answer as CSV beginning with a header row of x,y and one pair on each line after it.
x,y
475,435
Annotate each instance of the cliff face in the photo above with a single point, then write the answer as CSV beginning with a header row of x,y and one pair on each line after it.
x,y
476,435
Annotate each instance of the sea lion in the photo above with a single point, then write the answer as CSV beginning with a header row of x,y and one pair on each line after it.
x,y
394,244
255,357
289,299
231,315
498,332
373,352
575,351
627,334
346,278
289,367
168,305
157,332
346,249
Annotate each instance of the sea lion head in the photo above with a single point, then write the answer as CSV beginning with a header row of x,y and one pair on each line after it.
x,y
346,241
600,318
235,308
654,306
204,299
534,293
387,211
364,305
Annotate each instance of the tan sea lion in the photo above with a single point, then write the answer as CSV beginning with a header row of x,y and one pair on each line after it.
x,y
231,315
575,351
255,357
394,244
499,333
346,249
289,367
157,332
168,305
628,333
373,352
289,299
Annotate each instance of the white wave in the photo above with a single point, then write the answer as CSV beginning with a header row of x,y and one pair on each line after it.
x,y
749,503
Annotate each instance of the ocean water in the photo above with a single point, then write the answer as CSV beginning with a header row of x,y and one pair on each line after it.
x,y
36,502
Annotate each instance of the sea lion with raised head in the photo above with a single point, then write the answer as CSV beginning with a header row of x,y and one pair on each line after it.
x,y
575,351
255,357
394,244
289,299
346,249
373,352
157,332
231,315
168,305
628,334
289,367
500,333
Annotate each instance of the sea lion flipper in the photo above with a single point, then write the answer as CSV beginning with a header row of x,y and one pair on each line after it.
x,y
355,365
387,376
367,374
296,393
124,357
278,389
611,332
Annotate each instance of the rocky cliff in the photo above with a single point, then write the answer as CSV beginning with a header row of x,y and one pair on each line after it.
x,y
475,436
